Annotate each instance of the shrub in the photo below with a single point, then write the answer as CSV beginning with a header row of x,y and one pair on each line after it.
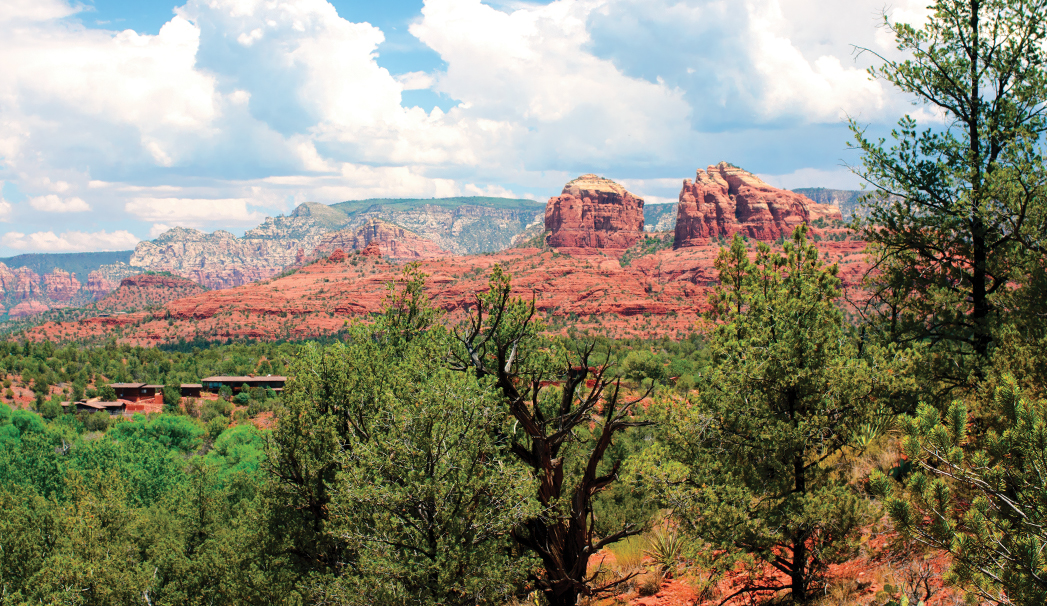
x,y
107,393
216,426
192,407
51,408
96,421
172,395
649,584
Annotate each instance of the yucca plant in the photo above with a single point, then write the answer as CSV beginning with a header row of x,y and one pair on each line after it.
x,y
665,549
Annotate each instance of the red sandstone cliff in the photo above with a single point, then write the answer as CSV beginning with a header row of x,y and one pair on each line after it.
x,y
725,200
61,285
392,240
593,212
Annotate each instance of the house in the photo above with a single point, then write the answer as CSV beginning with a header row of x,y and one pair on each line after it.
x,y
113,408
191,390
132,392
274,382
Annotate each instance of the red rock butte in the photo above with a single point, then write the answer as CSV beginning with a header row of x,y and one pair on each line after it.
x,y
593,212
724,200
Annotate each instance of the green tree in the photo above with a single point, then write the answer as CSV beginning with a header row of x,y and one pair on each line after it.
x,y
784,395
958,212
172,396
107,393
428,500
391,484
980,498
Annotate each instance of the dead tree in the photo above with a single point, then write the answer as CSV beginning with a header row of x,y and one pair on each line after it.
x,y
495,343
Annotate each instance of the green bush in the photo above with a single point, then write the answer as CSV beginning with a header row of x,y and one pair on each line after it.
x,y
216,426
215,408
51,408
96,421
107,393
172,395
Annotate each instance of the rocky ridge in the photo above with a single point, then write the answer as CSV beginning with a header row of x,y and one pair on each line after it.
x,y
724,200
391,240
657,294
222,260
25,293
594,213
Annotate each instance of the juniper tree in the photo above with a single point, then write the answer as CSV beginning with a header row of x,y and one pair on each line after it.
x,y
564,409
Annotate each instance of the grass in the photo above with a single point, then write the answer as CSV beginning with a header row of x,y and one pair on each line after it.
x,y
628,553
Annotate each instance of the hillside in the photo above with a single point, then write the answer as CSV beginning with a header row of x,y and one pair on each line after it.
x,y
223,260
74,263
657,294
659,217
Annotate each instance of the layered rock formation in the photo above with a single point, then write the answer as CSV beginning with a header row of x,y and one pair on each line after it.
x,y
61,286
393,241
725,200
27,308
145,291
24,292
593,212
221,260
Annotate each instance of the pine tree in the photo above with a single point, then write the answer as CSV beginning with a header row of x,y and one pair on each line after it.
x,y
958,210
982,498
786,392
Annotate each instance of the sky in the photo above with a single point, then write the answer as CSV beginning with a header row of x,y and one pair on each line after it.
x,y
120,119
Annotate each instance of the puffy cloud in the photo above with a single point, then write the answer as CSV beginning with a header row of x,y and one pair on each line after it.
x,y
51,203
5,210
70,241
189,212
238,108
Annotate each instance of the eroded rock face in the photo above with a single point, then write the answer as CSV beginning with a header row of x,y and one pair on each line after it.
x,y
724,200
61,285
593,212
100,285
392,240
27,308
20,283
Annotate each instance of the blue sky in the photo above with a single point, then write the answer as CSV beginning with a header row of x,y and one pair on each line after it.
x,y
120,119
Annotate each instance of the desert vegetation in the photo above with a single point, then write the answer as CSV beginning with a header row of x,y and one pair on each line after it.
x,y
800,443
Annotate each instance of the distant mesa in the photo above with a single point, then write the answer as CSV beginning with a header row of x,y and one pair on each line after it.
x,y
391,240
593,212
724,200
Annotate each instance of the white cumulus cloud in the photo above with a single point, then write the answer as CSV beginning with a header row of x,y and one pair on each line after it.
x,y
188,212
240,108
51,203
70,241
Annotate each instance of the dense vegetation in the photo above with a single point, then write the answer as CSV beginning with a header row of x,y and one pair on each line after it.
x,y
414,461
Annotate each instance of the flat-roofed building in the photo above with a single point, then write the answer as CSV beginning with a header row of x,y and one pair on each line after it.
x,y
134,392
113,408
274,382
191,390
